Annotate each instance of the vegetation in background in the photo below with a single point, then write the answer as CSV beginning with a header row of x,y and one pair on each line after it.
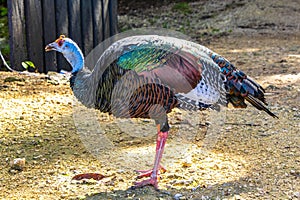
x,y
183,7
29,66
4,29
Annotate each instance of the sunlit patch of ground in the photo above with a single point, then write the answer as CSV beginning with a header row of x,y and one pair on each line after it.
x,y
248,156
281,79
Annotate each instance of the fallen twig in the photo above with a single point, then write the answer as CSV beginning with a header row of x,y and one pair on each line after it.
x,y
21,72
239,124
5,63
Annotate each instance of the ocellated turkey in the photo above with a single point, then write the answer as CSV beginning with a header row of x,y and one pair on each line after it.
x,y
146,76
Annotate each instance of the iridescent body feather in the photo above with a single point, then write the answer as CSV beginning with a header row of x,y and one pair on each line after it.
x,y
187,72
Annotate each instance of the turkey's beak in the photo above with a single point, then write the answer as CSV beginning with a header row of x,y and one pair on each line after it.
x,y
50,47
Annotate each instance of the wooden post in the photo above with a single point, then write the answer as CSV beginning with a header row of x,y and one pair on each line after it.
x,y
106,22
49,26
34,33
113,12
35,23
87,26
97,22
62,27
17,40
75,22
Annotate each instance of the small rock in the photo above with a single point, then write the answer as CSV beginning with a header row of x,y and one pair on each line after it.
x,y
178,196
282,61
272,87
37,157
237,197
20,84
207,123
13,79
17,164
264,134
186,164
297,194
14,171
295,173
3,87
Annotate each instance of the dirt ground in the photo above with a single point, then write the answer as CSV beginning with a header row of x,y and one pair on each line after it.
x,y
242,154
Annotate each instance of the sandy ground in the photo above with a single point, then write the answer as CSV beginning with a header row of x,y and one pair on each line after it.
x,y
250,155
243,154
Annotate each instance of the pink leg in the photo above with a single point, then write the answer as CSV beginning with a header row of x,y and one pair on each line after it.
x,y
160,144
147,173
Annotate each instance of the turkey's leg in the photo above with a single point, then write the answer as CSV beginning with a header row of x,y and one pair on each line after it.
x,y
147,173
160,144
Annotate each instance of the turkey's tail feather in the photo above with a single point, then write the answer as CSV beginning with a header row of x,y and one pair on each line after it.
x,y
240,87
257,104
247,89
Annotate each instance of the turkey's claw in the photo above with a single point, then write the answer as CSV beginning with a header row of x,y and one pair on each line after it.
x,y
151,181
147,173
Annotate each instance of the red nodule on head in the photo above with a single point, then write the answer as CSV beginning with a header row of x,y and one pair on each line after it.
x,y
60,40
57,44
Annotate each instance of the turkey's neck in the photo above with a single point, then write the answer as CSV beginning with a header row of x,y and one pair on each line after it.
x,y
75,58
83,87
80,80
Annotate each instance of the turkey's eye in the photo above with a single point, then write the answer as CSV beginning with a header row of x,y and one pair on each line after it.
x,y
60,42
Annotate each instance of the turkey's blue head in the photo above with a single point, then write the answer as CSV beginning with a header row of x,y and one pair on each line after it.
x,y
70,51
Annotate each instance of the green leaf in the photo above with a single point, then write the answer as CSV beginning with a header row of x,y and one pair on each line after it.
x,y
28,64
183,7
3,11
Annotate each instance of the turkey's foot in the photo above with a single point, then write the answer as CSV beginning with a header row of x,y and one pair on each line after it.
x,y
153,180
154,173
147,173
